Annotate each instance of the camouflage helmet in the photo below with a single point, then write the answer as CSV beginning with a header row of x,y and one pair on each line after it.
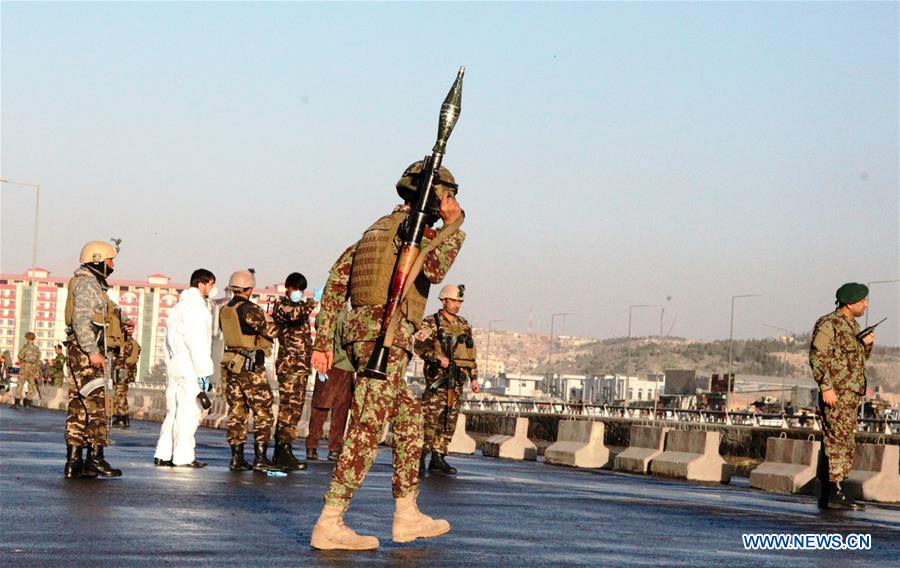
x,y
97,251
242,279
409,182
452,292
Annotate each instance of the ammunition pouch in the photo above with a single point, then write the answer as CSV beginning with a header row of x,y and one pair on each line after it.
x,y
238,360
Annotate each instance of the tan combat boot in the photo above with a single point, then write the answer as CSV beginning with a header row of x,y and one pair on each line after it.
x,y
410,523
330,533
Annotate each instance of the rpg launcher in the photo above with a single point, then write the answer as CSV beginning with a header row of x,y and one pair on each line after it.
x,y
868,331
424,213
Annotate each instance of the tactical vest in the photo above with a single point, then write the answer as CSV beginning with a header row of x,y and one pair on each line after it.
x,y
237,334
107,319
373,267
463,356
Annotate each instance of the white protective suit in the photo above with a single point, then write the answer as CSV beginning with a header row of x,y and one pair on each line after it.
x,y
188,357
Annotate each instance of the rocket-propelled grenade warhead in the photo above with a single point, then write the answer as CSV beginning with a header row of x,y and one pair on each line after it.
x,y
449,113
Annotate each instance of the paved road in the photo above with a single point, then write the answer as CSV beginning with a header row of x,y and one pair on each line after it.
x,y
503,513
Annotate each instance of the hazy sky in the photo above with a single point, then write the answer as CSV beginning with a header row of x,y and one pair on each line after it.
x,y
608,154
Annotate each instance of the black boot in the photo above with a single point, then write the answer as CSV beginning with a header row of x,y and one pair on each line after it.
x,y
837,499
438,465
312,454
422,462
260,461
74,462
15,403
26,402
115,421
283,457
126,421
238,463
333,455
97,465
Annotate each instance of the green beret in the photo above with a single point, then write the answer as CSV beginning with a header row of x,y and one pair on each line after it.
x,y
850,293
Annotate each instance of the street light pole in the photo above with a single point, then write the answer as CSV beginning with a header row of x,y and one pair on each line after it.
x,y
784,339
37,208
628,347
869,286
731,347
487,357
552,319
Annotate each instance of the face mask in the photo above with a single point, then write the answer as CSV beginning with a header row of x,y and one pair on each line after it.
x,y
296,296
213,292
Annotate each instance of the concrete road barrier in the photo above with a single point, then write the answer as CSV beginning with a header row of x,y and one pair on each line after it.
x,y
874,476
645,443
216,413
579,443
512,442
692,455
157,412
142,411
461,443
790,466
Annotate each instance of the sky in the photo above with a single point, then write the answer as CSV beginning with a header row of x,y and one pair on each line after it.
x,y
608,154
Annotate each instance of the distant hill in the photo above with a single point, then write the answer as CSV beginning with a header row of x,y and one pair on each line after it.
x,y
529,353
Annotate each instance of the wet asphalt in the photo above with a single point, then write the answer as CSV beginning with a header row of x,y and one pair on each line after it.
x,y
503,513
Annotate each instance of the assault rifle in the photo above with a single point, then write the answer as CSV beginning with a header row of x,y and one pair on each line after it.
x,y
868,331
106,381
424,213
451,376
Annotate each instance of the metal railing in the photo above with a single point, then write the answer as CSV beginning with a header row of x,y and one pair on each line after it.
x,y
674,415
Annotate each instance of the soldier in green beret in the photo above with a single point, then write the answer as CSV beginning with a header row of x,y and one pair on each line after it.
x,y
838,361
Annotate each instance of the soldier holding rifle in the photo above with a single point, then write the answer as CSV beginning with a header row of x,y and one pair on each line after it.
x,y
447,346
95,332
386,276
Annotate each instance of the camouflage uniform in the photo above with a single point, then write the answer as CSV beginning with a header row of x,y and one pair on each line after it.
x,y
292,364
86,415
30,370
377,401
7,364
57,372
435,397
838,361
249,391
125,374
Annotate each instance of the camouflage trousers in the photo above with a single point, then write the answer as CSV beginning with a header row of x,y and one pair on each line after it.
x,y
439,427
28,374
839,430
291,398
120,400
246,392
85,415
374,403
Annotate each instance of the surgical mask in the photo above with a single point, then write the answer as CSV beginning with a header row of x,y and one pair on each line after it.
x,y
296,296
213,292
